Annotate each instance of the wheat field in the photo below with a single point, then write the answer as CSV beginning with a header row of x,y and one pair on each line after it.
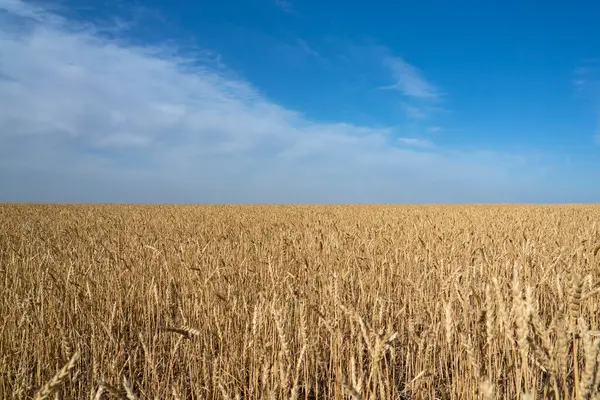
x,y
299,302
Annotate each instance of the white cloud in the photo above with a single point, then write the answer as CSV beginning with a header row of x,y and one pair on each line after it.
x,y
84,117
285,5
415,142
410,80
587,81
421,97
307,49
413,112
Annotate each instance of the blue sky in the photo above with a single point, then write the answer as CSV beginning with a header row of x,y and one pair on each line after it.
x,y
276,101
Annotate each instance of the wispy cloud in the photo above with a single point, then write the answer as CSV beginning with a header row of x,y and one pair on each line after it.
x,y
416,142
91,117
410,80
285,5
587,82
413,112
420,97
307,49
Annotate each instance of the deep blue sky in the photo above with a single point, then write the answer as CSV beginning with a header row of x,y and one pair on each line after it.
x,y
300,101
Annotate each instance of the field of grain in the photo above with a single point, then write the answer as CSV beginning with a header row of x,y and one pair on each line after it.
x,y
299,302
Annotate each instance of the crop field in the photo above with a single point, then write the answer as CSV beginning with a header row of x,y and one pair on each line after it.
x,y
299,302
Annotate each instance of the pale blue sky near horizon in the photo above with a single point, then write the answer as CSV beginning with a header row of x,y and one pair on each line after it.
x,y
276,101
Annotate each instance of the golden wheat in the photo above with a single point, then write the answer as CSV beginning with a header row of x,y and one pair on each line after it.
x,y
301,302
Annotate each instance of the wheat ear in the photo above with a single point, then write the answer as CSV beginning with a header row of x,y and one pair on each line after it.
x,y
57,379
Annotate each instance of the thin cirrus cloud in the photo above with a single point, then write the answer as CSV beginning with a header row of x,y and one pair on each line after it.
x,y
307,49
91,117
421,97
285,5
415,142
413,112
587,81
410,80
